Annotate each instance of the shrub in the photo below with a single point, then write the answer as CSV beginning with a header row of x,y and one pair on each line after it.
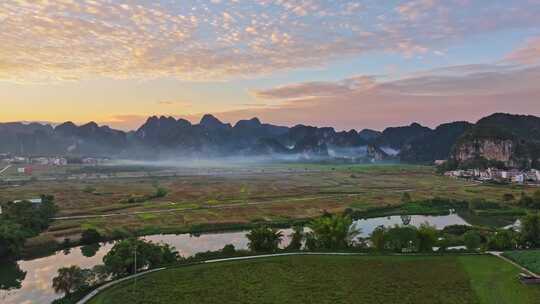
x,y
90,236
161,192
472,240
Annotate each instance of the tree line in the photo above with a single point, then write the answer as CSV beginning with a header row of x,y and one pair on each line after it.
x,y
22,220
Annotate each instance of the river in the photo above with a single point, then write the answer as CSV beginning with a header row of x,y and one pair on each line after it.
x,y
29,281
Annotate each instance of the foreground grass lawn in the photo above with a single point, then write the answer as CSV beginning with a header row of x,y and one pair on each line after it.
x,y
332,279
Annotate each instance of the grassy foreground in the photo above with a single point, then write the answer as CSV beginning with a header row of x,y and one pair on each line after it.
x,y
332,279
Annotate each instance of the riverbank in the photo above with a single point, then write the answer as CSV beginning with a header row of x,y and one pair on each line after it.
x,y
44,245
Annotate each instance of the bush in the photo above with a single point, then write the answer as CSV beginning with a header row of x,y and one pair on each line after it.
x,y
472,240
228,250
90,236
161,192
456,229
89,189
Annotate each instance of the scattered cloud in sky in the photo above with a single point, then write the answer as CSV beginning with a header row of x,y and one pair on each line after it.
x,y
528,54
431,97
66,40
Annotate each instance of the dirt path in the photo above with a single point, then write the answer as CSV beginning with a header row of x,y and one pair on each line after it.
x,y
5,169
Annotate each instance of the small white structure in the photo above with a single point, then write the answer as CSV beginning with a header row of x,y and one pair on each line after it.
x,y
59,161
34,201
21,170
519,178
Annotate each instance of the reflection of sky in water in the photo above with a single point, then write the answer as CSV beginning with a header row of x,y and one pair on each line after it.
x,y
368,225
37,286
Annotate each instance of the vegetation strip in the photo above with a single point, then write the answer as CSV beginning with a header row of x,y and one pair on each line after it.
x,y
113,283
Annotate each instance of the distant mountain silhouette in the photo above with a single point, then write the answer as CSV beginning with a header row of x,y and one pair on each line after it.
x,y
170,137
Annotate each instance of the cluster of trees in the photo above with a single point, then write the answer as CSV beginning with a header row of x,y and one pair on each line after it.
x,y
125,258
526,237
329,232
405,238
23,220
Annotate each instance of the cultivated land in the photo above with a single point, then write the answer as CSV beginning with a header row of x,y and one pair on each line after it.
x,y
332,279
529,259
232,195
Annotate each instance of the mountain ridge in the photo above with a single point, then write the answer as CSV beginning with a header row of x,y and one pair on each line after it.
x,y
166,136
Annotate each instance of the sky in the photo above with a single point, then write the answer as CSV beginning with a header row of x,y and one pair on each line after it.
x,y
347,64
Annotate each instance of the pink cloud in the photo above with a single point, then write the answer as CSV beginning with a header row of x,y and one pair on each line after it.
x,y
529,54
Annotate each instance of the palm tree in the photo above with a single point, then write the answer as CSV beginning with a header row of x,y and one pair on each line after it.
x,y
264,239
68,280
296,238
332,232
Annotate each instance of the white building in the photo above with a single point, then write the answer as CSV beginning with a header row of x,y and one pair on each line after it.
x,y
34,201
59,161
519,178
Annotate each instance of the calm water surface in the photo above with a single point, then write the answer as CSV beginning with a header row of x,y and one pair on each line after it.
x,y
31,281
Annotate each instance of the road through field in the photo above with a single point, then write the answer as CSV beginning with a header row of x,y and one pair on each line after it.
x,y
5,169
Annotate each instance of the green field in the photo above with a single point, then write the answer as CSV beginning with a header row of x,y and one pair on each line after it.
x,y
529,259
332,279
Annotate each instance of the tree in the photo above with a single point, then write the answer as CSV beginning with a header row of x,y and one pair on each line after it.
x,y
331,232
472,240
530,230
120,260
264,239
69,279
12,238
296,238
502,240
378,238
90,236
161,192
97,275
90,250
24,214
32,219
427,237
402,238
11,276
228,250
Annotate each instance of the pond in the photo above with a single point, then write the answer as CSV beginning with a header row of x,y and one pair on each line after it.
x,y
30,281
